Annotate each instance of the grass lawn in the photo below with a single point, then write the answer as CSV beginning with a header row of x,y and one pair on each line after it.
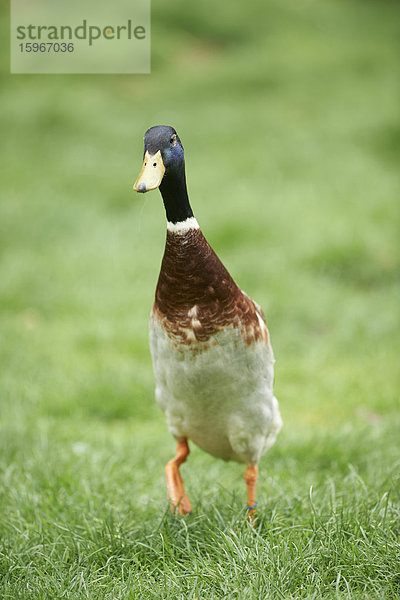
x,y
289,118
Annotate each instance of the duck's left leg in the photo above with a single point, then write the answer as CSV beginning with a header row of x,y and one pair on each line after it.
x,y
251,476
176,491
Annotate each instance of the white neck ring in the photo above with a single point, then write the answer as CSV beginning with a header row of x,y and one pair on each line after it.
x,y
183,226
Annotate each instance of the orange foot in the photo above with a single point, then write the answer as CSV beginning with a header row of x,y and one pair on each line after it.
x,y
176,491
251,476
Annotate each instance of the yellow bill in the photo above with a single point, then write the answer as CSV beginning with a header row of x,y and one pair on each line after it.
x,y
151,173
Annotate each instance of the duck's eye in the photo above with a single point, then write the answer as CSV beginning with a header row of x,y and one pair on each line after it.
x,y
172,140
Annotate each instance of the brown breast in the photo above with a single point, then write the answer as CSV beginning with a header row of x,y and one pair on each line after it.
x,y
197,298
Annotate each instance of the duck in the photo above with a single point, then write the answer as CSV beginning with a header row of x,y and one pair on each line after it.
x,y
210,346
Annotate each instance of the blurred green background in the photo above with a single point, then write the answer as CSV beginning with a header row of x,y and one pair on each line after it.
x,y
289,116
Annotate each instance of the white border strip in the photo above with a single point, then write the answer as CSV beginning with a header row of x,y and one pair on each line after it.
x,y
183,226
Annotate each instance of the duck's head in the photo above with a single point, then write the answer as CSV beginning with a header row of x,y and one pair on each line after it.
x,y
163,156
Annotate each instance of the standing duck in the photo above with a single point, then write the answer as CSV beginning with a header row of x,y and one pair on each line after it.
x,y
212,357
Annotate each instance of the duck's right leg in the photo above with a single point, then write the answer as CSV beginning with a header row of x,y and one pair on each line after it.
x,y
251,476
176,491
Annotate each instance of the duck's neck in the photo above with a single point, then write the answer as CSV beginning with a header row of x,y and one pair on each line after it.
x,y
175,196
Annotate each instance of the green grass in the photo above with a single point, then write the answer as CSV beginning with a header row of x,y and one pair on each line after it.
x,y
289,118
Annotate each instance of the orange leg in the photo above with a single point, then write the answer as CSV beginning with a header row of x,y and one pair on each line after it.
x,y
175,487
250,476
